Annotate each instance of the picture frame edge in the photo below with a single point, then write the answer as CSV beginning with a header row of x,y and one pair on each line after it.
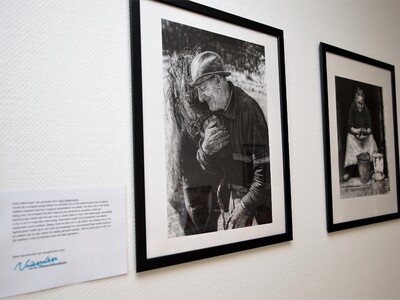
x,y
143,263
331,226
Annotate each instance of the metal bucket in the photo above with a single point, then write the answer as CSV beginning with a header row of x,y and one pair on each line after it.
x,y
363,162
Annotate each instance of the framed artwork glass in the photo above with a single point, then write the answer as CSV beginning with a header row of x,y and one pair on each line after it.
x,y
211,156
360,136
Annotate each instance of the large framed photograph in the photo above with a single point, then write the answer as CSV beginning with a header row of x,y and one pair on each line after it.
x,y
360,136
210,133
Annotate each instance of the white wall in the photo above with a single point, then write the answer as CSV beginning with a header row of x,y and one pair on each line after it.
x,y
65,121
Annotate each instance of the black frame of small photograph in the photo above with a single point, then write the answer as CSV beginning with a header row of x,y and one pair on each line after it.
x,y
146,219
360,139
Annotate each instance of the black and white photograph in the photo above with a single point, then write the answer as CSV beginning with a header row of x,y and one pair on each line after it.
x,y
361,141
210,134
216,131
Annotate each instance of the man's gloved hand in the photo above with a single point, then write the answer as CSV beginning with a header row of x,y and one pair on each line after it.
x,y
240,217
215,138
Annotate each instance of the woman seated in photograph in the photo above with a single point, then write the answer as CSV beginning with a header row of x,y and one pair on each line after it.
x,y
359,136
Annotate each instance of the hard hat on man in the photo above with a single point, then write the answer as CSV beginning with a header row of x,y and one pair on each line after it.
x,y
206,65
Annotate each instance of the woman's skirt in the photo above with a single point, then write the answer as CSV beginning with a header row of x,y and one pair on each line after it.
x,y
355,146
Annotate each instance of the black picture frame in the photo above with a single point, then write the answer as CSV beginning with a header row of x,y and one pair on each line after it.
x,y
361,165
145,15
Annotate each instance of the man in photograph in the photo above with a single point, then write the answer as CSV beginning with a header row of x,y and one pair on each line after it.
x,y
236,149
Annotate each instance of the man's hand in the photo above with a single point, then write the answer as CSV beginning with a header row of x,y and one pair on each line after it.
x,y
239,218
215,138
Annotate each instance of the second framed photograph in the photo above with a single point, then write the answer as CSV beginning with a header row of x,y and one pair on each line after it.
x,y
210,133
361,143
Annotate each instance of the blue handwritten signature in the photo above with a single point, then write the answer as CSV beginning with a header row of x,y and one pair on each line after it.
x,y
30,264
